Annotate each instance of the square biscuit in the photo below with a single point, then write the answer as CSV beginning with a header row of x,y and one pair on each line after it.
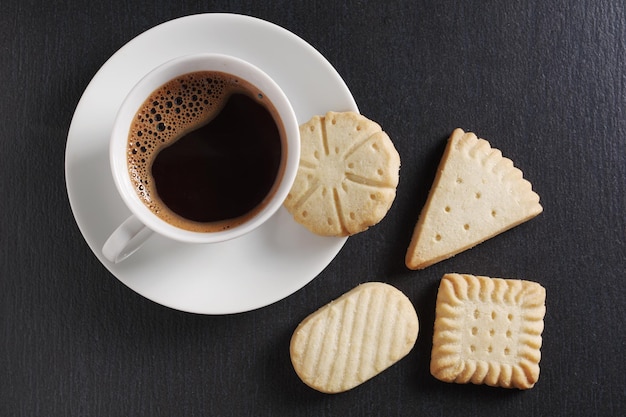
x,y
488,331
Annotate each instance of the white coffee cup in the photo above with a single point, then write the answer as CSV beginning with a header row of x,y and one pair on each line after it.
x,y
132,233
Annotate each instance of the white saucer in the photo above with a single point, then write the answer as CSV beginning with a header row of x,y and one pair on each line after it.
x,y
247,273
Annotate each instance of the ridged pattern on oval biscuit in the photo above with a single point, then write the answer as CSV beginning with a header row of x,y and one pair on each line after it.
x,y
354,338
347,176
488,331
477,194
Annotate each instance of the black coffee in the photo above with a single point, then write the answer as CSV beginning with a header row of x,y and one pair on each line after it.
x,y
205,151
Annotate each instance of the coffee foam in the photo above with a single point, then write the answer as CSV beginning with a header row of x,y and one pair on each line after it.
x,y
179,106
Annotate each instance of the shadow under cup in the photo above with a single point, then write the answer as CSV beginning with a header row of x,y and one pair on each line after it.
x,y
205,148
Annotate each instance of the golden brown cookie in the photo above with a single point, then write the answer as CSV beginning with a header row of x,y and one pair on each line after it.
x,y
354,338
488,331
477,194
347,177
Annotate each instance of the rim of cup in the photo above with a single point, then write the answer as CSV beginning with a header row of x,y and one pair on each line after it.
x,y
161,75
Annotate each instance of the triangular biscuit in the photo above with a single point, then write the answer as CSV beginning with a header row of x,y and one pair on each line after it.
x,y
477,194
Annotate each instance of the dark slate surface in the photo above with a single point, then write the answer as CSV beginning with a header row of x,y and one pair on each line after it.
x,y
544,81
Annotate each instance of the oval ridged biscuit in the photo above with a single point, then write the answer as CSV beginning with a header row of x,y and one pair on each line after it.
x,y
354,338
347,177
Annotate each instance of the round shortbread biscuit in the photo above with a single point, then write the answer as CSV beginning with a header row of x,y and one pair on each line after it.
x,y
347,177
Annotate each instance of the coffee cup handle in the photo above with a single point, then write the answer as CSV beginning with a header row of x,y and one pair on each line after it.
x,y
126,240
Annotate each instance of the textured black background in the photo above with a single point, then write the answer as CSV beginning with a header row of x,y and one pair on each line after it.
x,y
544,81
